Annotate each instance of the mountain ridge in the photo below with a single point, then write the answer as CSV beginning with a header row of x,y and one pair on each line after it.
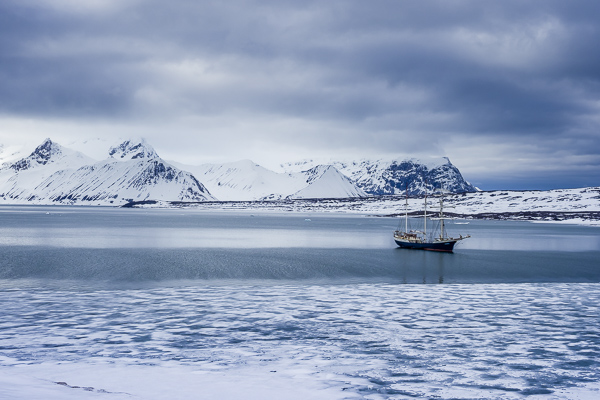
x,y
133,171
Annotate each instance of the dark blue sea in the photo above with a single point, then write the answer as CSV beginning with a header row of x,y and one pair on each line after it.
x,y
180,304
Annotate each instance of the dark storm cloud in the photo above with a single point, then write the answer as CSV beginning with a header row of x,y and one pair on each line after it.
x,y
524,76
42,74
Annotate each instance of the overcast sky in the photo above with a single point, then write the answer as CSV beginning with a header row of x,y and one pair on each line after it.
x,y
508,90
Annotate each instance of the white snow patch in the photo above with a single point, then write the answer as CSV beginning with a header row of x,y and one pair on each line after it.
x,y
169,381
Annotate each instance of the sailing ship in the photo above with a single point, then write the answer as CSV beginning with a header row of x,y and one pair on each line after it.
x,y
435,240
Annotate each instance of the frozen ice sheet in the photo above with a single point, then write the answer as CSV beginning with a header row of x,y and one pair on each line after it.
x,y
371,341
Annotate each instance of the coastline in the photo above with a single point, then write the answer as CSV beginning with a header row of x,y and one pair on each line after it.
x,y
568,206
383,206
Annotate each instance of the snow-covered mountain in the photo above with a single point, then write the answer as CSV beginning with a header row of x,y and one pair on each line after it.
x,y
52,174
385,177
52,156
19,178
325,181
133,171
245,181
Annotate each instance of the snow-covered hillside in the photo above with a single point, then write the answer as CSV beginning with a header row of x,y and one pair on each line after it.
x,y
565,200
53,174
246,181
412,176
114,182
9,154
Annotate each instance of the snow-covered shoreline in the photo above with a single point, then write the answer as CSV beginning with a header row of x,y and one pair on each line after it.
x,y
581,206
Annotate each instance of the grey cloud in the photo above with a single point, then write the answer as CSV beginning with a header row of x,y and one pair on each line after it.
x,y
375,73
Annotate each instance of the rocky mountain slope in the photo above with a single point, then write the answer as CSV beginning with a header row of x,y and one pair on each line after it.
x,y
385,177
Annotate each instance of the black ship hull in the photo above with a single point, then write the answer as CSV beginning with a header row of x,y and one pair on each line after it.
x,y
442,245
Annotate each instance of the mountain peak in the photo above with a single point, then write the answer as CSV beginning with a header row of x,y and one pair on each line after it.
x,y
133,149
326,181
318,171
429,163
46,152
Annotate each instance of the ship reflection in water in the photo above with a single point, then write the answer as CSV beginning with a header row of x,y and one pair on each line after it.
x,y
424,267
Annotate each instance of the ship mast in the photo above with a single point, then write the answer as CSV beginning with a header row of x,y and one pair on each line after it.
x,y
425,217
406,213
442,216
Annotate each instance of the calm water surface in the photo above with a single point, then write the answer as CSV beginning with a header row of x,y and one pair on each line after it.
x,y
513,313
120,245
